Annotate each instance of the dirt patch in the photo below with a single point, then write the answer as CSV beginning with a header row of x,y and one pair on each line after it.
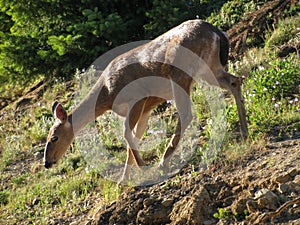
x,y
255,24
264,187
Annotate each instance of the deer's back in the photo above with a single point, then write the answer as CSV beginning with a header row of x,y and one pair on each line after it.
x,y
201,38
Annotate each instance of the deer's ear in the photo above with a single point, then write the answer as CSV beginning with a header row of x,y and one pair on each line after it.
x,y
54,106
59,112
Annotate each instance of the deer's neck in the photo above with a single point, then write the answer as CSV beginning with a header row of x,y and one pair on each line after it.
x,y
92,106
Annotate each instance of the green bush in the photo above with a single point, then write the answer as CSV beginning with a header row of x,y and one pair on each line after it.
x,y
271,94
279,78
287,30
232,12
4,197
53,38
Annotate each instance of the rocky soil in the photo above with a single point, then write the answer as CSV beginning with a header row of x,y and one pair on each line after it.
x,y
263,188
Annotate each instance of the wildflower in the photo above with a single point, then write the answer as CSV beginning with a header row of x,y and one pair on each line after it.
x,y
261,68
291,101
265,89
274,87
276,105
296,99
197,16
151,132
277,82
273,99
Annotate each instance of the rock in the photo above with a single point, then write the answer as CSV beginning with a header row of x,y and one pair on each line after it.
x,y
284,188
252,206
267,199
224,193
167,202
153,215
191,209
262,192
148,201
287,176
209,222
296,184
239,206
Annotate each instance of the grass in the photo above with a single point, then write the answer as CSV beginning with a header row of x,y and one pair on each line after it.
x,y
286,32
32,195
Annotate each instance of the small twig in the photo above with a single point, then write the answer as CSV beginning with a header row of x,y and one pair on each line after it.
x,y
272,215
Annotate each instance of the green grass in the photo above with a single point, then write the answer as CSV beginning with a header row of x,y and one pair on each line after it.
x,y
286,32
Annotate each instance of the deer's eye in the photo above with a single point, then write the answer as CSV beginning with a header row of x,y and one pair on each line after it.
x,y
54,139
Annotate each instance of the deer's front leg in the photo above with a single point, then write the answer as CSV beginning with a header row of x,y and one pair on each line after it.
x,y
233,84
236,90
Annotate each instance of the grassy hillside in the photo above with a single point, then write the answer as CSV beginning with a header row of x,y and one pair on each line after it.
x,y
29,194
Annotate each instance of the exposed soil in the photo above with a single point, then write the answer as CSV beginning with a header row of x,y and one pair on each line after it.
x,y
261,188
254,25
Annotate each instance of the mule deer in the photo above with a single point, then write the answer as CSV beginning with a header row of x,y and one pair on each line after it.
x,y
147,76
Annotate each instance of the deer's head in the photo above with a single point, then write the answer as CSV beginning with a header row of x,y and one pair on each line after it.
x,y
60,136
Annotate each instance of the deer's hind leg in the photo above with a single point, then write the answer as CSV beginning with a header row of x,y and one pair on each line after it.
x,y
141,125
133,116
182,99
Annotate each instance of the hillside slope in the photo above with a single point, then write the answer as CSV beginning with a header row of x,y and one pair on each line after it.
x,y
244,193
